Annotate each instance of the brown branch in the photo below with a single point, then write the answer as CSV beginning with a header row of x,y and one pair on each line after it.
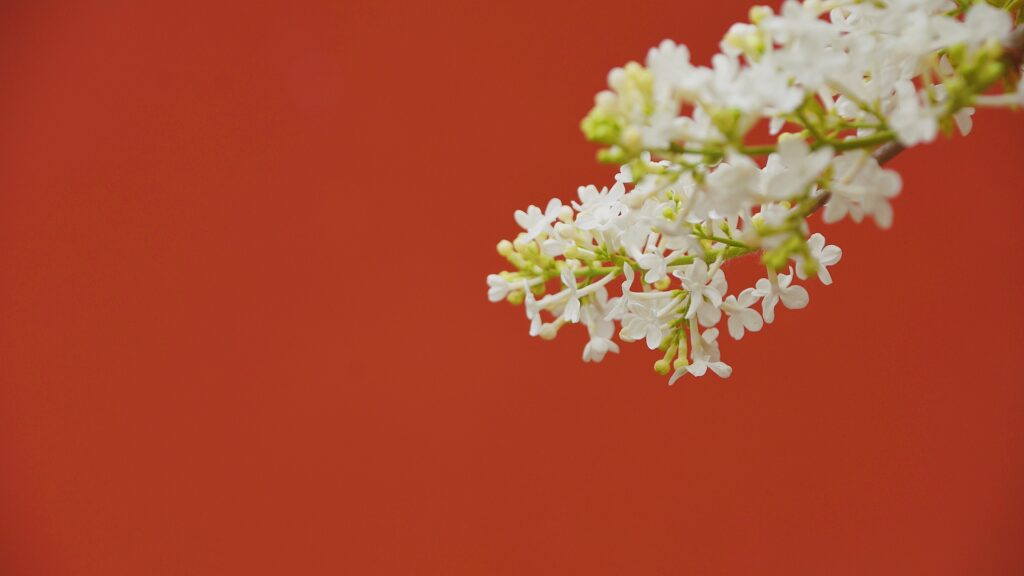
x,y
1014,53
888,151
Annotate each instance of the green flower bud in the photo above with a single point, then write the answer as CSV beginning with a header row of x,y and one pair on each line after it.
x,y
726,120
758,14
956,53
662,367
775,259
639,169
520,243
993,48
639,77
517,260
613,155
990,72
632,138
955,86
682,360
748,42
602,128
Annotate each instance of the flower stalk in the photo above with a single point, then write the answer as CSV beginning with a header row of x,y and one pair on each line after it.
x,y
844,86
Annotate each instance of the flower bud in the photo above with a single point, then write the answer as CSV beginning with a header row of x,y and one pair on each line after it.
x,y
631,137
605,99
639,76
520,243
613,155
955,85
759,14
956,52
991,72
662,367
600,127
564,214
549,331
726,120
616,77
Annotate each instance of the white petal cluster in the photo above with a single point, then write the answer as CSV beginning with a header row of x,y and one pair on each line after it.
x,y
832,82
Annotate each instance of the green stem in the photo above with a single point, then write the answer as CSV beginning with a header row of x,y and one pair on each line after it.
x,y
726,241
864,142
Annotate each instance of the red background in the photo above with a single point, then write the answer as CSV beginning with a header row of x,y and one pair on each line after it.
x,y
243,323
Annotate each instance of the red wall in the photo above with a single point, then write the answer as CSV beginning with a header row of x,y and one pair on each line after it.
x,y
244,330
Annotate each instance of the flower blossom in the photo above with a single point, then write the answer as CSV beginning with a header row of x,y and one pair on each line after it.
x,y
776,288
839,85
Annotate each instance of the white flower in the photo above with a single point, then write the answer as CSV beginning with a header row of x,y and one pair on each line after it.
x,y
639,226
705,355
536,222
698,127
824,255
775,288
600,343
728,85
985,22
619,305
563,235
655,264
740,39
532,310
669,64
741,317
572,306
964,120
643,321
795,20
498,288
598,210
862,187
806,52
710,312
913,121
734,185
599,329
776,93
703,290
798,168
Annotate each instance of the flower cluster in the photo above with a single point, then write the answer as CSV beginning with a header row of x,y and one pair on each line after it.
x,y
833,83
